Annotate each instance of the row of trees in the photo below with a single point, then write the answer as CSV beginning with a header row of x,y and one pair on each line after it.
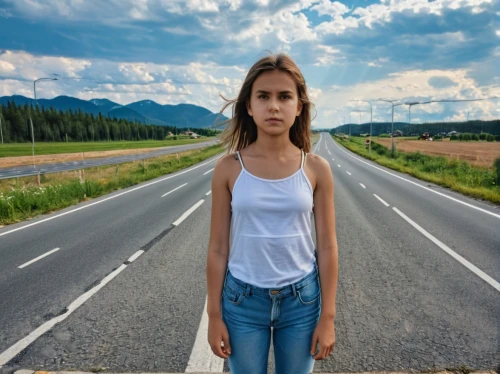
x,y
50,125
473,127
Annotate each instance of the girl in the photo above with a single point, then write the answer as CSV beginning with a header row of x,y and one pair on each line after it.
x,y
263,271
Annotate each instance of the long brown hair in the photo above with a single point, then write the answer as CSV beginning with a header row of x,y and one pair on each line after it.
x,y
241,130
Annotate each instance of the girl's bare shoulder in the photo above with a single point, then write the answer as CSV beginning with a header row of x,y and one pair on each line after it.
x,y
227,165
317,163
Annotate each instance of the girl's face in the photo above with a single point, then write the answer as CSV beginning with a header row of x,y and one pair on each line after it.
x,y
274,102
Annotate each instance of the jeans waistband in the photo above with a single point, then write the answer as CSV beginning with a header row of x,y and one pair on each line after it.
x,y
282,291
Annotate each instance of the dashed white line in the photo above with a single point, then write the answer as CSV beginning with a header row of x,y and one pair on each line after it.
x,y
209,192
453,254
333,159
15,349
205,173
188,212
348,172
338,165
135,255
175,189
362,185
382,201
109,198
419,185
38,258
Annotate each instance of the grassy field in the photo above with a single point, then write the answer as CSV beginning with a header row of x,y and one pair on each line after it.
x,y
24,149
23,198
460,176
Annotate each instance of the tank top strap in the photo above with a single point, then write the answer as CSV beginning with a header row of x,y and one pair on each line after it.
x,y
303,159
241,161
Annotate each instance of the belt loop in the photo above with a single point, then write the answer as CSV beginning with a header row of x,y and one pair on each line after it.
x,y
225,278
294,290
248,289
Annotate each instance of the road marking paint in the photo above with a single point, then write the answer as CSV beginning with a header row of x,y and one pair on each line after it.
x,y
188,212
453,254
205,173
135,255
38,258
175,189
106,199
209,192
382,201
348,172
362,185
202,358
15,349
338,165
419,185
333,159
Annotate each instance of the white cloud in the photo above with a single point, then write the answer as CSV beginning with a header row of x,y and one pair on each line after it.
x,y
332,9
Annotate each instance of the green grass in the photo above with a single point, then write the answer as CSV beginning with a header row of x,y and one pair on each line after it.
x,y
22,198
460,176
41,148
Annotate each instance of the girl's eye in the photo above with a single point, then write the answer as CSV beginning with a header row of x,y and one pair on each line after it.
x,y
285,96
261,96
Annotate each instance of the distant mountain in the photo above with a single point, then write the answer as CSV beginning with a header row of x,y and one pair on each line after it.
x,y
145,111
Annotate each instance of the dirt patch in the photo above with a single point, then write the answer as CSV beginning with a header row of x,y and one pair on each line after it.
x,y
6,162
476,153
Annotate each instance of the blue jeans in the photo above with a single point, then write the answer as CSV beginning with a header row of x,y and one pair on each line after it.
x,y
250,312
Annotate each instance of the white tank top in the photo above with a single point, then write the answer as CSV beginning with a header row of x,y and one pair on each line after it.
x,y
271,242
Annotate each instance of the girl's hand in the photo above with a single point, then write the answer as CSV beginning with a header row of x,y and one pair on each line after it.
x,y
324,335
217,334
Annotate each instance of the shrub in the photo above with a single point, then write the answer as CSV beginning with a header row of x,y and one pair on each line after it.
x,y
438,137
453,137
490,138
474,137
383,136
461,137
466,137
482,136
497,168
497,138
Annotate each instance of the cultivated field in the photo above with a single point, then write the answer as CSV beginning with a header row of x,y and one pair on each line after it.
x,y
476,153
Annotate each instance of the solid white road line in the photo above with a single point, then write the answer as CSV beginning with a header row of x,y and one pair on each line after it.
x,y
209,192
175,189
106,199
205,173
135,255
382,201
419,185
453,254
15,349
188,212
38,258
348,172
202,358
362,185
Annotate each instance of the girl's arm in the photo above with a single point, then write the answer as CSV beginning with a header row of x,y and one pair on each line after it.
x,y
326,237
218,247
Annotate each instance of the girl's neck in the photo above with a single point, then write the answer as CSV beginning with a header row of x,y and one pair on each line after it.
x,y
273,146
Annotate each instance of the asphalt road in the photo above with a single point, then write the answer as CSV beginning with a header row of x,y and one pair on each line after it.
x,y
413,292
24,171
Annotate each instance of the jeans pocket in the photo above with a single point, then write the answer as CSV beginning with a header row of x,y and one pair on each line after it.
x,y
310,293
235,297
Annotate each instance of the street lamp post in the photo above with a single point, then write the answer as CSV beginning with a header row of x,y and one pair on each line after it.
x,y
392,122
31,121
371,124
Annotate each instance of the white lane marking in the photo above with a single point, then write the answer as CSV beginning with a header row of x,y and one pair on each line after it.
x,y
209,192
382,201
175,189
338,165
453,254
419,185
362,185
15,349
188,212
333,159
348,172
202,358
205,173
106,199
135,255
38,258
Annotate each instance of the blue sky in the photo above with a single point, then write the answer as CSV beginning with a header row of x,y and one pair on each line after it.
x,y
190,51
